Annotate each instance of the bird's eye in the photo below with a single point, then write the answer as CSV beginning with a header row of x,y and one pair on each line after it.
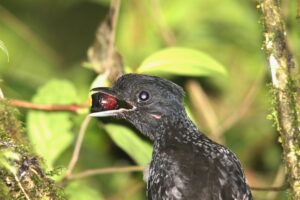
x,y
144,96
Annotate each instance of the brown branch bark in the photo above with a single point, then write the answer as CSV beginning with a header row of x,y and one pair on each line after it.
x,y
45,107
283,73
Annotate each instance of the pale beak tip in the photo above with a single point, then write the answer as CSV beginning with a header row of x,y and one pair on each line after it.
x,y
95,114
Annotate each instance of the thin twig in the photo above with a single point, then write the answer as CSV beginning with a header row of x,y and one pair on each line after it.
x,y
45,107
78,144
276,189
92,172
21,187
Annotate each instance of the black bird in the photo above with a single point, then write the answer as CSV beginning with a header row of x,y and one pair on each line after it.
x,y
185,165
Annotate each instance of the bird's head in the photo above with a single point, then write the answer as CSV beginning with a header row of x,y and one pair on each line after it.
x,y
145,101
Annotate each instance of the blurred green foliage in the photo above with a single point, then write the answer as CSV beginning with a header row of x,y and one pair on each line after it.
x,y
47,43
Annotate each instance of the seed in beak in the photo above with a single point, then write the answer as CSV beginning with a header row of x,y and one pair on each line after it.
x,y
108,102
103,102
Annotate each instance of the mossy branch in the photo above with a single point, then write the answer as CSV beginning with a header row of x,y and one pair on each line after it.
x,y
21,175
283,73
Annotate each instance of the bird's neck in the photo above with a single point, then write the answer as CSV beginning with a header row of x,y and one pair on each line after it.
x,y
178,129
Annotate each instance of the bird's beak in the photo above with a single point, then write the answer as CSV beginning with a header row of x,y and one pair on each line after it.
x,y
105,103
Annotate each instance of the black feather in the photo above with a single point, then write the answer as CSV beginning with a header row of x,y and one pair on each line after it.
x,y
186,165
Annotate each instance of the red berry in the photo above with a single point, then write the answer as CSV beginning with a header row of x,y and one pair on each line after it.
x,y
108,102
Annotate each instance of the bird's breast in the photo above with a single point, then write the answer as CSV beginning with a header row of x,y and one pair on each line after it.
x,y
165,181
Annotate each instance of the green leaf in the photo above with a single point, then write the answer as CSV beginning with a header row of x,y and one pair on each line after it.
x,y
4,49
79,190
181,61
138,149
50,132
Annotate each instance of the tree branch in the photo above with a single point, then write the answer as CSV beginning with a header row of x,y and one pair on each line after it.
x,y
45,107
283,78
